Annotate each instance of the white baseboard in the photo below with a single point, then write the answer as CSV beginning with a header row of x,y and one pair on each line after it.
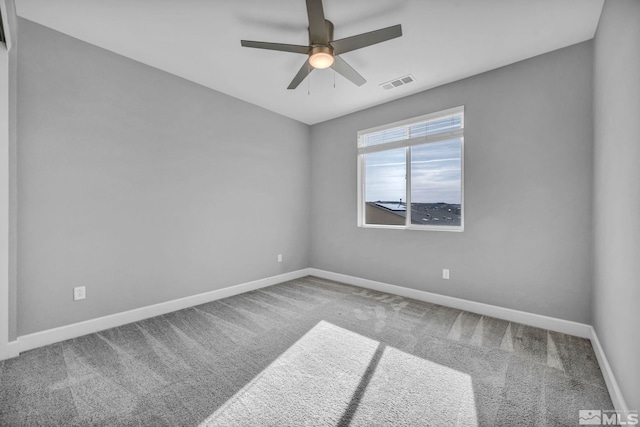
x,y
544,322
13,349
607,373
50,336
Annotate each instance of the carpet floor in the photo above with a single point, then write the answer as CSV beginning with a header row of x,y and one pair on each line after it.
x,y
307,352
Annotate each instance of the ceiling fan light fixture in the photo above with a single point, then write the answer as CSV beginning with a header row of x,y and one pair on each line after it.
x,y
321,57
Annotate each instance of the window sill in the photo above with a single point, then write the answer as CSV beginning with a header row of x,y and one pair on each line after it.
x,y
458,229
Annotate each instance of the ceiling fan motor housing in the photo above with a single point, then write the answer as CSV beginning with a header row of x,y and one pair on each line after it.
x,y
329,26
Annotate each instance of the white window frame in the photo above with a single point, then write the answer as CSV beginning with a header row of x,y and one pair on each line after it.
x,y
407,144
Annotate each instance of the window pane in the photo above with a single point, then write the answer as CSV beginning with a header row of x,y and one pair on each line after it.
x,y
385,187
436,183
382,137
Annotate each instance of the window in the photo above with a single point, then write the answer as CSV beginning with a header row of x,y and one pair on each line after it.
x,y
416,163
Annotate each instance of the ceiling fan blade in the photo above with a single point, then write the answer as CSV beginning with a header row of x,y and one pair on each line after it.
x,y
341,67
276,46
317,26
302,73
365,39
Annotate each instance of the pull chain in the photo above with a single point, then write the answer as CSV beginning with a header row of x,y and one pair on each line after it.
x,y
334,77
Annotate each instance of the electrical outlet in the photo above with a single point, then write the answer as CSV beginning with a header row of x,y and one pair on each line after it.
x,y
279,257
79,292
445,273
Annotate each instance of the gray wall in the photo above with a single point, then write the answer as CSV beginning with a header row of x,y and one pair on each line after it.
x,y
616,297
144,187
528,192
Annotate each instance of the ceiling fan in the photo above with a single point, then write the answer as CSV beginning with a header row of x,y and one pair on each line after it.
x,y
323,51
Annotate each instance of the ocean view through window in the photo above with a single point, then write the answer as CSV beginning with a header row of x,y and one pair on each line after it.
x,y
416,163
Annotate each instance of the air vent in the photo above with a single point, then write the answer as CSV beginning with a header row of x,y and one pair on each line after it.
x,y
398,82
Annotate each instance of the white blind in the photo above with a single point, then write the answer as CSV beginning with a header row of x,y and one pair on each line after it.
x,y
440,126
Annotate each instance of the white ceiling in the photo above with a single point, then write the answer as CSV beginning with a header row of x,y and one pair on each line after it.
x,y
199,40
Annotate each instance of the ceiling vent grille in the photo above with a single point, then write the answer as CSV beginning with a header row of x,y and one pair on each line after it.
x,y
397,82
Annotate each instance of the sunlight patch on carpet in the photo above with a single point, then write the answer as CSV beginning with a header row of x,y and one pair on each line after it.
x,y
332,373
